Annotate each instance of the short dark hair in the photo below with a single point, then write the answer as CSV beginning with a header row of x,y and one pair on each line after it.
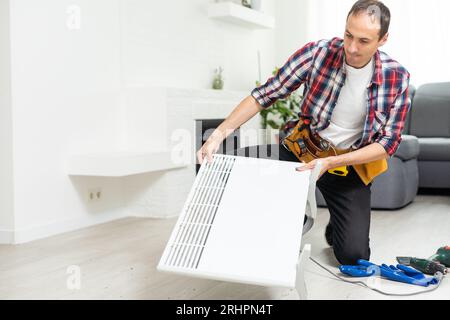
x,y
376,8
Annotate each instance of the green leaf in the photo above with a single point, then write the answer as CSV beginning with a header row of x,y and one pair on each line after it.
x,y
282,110
273,124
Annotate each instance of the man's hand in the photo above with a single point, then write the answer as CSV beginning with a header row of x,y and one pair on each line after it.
x,y
371,152
209,148
327,163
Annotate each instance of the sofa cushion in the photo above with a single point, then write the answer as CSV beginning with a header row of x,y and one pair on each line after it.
x,y
409,148
434,149
430,115
434,174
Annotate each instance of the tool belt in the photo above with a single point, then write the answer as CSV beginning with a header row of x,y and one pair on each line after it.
x,y
307,146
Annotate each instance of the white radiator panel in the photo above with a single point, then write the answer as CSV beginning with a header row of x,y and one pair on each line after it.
x,y
242,222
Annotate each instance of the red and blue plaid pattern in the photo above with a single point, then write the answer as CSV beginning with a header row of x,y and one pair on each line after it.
x,y
319,66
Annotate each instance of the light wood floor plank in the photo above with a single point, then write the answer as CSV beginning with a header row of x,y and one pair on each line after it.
x,y
118,260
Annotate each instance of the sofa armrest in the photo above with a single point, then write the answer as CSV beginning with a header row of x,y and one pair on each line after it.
x,y
409,148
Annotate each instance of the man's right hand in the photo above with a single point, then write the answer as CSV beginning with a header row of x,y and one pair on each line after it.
x,y
207,150
246,109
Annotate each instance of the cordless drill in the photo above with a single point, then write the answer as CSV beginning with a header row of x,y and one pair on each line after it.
x,y
442,256
436,263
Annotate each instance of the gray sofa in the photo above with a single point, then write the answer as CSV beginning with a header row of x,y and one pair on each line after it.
x,y
423,158
430,122
398,186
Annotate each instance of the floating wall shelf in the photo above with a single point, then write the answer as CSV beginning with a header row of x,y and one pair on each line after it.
x,y
240,15
120,164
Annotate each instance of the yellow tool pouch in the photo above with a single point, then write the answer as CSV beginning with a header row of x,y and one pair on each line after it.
x,y
368,171
307,146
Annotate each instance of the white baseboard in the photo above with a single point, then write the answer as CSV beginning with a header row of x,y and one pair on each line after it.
x,y
43,231
6,236
58,227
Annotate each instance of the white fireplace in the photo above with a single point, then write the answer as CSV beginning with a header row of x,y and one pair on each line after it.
x,y
162,194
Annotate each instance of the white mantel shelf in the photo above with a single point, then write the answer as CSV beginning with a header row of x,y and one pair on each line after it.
x,y
120,164
240,15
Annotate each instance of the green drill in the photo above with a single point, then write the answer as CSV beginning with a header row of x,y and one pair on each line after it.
x,y
436,263
442,256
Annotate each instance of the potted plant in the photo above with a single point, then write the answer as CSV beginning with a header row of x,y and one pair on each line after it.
x,y
280,112
218,79
246,3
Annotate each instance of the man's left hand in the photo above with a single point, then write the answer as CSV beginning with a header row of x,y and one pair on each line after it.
x,y
326,165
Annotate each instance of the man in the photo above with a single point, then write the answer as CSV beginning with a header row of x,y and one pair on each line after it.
x,y
357,98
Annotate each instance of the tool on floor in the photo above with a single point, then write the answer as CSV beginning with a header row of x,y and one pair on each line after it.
x,y
442,255
410,270
400,273
436,263
423,265
438,278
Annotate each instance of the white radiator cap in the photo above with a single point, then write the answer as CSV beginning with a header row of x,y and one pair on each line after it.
x,y
243,222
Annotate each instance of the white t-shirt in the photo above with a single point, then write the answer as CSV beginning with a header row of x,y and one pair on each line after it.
x,y
347,119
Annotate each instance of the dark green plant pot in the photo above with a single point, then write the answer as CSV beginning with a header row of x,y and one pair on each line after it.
x,y
218,84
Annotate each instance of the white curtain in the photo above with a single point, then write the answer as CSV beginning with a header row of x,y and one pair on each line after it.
x,y
419,34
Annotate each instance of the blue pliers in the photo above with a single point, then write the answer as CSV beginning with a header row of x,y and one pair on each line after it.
x,y
400,273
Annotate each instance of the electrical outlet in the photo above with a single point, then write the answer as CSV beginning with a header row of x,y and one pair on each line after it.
x,y
94,194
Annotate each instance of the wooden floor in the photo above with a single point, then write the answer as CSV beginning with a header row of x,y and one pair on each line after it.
x,y
117,260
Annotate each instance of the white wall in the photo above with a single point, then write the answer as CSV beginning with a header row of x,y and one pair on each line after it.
x,y
293,19
422,39
6,155
175,44
65,93
419,34
68,85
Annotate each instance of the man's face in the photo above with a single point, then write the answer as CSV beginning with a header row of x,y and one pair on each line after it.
x,y
361,39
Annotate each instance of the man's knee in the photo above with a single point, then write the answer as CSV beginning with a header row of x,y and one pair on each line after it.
x,y
349,255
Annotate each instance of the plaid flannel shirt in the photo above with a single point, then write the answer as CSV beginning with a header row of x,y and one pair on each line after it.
x,y
319,66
